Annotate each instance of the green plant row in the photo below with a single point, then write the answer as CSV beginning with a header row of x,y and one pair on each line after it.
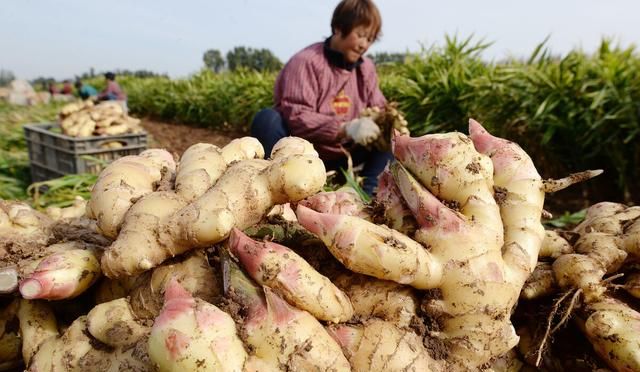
x,y
210,100
573,112
14,159
569,112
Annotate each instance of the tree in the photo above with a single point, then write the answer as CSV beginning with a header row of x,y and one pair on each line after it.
x,y
138,73
238,57
213,60
255,59
6,77
134,73
42,82
267,61
385,57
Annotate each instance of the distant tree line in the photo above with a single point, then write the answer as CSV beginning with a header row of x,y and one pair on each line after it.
x,y
125,72
241,57
44,81
388,58
264,60
6,77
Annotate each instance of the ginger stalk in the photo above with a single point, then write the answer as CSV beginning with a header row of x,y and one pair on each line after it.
x,y
191,334
377,345
279,334
62,275
290,276
484,240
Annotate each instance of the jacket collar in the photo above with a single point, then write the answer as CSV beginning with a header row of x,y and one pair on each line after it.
x,y
336,58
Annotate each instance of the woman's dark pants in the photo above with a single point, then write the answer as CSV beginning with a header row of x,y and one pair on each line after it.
x,y
269,127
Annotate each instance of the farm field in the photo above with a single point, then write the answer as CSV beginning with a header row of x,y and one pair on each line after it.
x,y
475,254
176,138
534,313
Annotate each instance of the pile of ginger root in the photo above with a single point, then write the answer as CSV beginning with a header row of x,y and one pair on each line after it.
x,y
226,261
107,118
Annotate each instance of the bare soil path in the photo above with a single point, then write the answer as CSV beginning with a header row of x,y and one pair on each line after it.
x,y
176,138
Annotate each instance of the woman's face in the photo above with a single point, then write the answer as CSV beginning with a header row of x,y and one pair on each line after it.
x,y
355,44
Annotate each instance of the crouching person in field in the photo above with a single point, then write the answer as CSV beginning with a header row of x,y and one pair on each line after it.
x,y
113,92
322,89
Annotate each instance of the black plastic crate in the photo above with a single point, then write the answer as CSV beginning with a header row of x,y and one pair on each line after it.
x,y
53,155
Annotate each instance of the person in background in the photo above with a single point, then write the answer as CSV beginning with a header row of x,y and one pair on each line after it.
x,y
322,89
85,91
53,88
67,88
113,92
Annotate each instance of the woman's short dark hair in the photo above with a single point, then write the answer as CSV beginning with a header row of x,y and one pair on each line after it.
x,y
350,14
110,76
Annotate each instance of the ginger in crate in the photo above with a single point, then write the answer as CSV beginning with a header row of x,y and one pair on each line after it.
x,y
86,119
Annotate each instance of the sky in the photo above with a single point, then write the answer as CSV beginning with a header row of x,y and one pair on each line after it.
x,y
64,38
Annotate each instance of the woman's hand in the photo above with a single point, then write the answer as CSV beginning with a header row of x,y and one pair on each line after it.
x,y
362,131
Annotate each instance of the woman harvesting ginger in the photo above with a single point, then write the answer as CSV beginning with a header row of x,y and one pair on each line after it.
x,y
321,91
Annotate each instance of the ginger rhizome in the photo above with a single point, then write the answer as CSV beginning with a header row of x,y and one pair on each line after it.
x,y
224,260
477,249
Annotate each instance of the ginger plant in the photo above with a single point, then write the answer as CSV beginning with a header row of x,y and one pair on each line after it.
x,y
477,201
165,223
191,335
607,238
601,248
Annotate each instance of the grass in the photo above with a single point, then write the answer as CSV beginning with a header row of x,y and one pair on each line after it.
x,y
15,178
567,220
61,192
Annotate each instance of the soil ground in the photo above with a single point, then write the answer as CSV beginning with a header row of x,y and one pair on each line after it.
x,y
176,138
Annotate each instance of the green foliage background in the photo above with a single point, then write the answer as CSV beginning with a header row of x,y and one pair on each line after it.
x,y
570,113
